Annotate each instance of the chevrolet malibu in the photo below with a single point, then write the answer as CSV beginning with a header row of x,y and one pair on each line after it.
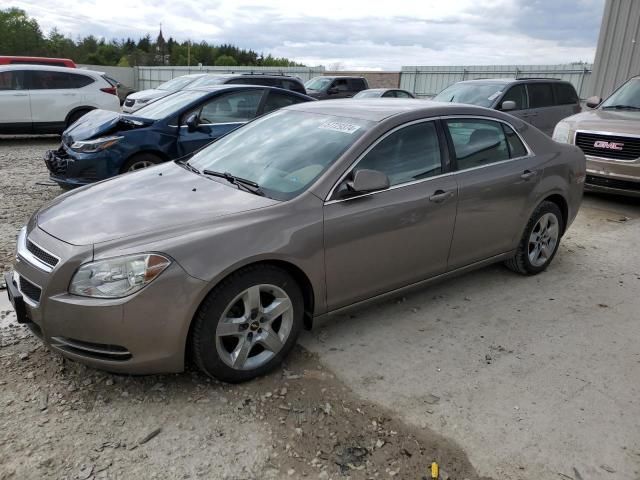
x,y
305,212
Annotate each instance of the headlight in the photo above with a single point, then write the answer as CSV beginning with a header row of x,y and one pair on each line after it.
x,y
95,145
561,133
117,277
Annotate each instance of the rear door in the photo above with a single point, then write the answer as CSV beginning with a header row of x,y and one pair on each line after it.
x,y
218,116
342,88
542,112
15,114
496,179
356,85
385,240
54,95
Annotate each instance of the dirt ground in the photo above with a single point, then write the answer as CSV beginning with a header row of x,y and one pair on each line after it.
x,y
490,374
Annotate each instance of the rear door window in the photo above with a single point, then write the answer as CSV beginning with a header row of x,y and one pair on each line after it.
x,y
293,85
277,100
45,80
477,142
401,94
565,94
540,95
517,94
357,84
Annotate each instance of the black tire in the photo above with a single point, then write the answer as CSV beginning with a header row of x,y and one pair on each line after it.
x,y
75,116
140,158
521,262
203,341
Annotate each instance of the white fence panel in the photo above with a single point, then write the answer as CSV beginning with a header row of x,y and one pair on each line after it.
x,y
427,81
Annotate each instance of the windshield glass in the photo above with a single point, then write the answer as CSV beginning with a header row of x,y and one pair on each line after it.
x,y
628,95
169,104
481,94
208,80
283,152
176,84
317,83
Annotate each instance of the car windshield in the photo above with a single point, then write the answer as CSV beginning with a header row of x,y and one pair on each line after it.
x,y
317,83
283,152
481,94
626,96
169,104
176,84
208,80
368,94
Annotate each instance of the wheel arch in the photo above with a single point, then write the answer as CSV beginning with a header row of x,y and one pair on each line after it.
x,y
158,153
563,205
83,108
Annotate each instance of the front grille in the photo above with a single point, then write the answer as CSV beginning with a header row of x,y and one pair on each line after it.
x,y
129,102
57,161
41,255
89,349
613,183
30,290
610,146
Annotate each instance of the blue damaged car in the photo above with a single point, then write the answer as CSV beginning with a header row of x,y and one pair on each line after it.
x,y
103,144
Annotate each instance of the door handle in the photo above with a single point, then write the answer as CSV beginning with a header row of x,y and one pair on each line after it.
x,y
20,94
528,174
440,196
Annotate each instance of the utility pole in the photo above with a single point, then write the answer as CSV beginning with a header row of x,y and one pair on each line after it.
x,y
188,53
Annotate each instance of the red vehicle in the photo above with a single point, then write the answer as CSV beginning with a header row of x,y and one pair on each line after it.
x,y
52,62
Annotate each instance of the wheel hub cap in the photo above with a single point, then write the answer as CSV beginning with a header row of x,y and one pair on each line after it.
x,y
543,239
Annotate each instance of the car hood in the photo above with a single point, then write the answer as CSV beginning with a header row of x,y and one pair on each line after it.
x,y
614,121
151,94
153,200
101,122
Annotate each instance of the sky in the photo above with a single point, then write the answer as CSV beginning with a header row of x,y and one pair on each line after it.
x,y
350,34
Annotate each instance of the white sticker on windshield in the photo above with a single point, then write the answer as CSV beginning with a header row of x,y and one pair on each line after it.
x,y
340,127
494,96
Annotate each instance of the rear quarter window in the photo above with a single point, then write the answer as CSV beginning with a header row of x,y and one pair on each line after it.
x,y
357,84
565,94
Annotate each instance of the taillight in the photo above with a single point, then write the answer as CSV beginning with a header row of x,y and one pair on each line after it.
x,y
111,90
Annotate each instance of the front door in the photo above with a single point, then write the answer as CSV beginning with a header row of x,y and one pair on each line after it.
x,y
496,179
378,242
218,116
15,114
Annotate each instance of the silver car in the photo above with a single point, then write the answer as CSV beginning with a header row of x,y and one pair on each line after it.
x,y
302,213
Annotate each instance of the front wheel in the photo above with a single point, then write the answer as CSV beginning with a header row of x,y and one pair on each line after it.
x,y
540,240
140,161
247,324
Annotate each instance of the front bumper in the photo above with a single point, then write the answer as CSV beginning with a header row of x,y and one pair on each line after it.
x,y
615,177
140,334
70,169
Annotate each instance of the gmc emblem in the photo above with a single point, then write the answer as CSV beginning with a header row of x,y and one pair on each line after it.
x,y
608,145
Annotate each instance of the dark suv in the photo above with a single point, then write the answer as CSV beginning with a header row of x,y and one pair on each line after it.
x,y
286,82
542,102
335,87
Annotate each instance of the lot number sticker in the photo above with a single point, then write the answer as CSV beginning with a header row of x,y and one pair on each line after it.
x,y
340,127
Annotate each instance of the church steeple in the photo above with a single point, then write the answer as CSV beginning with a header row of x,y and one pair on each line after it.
x,y
160,41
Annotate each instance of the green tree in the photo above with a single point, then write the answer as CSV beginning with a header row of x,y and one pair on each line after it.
x,y
225,61
19,34
123,62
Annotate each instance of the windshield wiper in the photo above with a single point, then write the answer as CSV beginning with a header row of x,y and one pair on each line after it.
x,y
621,107
239,182
185,163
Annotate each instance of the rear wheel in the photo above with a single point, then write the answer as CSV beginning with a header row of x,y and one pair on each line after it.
x,y
140,161
247,324
540,240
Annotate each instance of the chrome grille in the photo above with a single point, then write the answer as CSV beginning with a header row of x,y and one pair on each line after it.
x,y
30,290
41,254
614,147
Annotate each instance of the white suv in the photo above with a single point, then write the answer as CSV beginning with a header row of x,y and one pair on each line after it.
x,y
41,99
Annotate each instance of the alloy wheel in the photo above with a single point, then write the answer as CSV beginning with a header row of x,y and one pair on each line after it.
x,y
139,165
254,327
543,239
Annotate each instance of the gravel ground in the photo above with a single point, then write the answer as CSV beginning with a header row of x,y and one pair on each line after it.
x,y
59,419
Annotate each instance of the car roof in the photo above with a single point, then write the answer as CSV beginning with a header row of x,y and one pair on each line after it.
x,y
377,109
249,75
47,68
234,86
507,81
339,76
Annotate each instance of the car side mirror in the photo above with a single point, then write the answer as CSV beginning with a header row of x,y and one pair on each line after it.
x,y
192,122
593,102
332,90
364,181
508,105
